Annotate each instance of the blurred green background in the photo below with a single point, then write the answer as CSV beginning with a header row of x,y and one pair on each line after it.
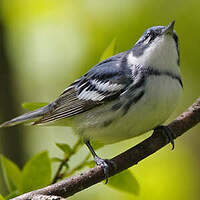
x,y
47,44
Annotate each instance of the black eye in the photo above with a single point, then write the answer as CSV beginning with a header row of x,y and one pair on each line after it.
x,y
148,34
148,37
152,35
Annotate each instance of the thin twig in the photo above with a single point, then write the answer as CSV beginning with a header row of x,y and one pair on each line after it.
x,y
58,174
70,186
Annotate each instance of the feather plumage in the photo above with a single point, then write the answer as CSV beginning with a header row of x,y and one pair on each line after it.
x,y
104,82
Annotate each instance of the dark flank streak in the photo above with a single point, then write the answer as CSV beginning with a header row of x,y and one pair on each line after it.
x,y
139,84
144,74
132,101
107,123
117,106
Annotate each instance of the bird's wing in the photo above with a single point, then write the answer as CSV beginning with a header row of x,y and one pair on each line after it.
x,y
104,82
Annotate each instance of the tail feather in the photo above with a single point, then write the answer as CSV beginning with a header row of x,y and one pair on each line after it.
x,y
27,117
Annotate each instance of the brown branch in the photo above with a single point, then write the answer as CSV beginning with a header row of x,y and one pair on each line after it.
x,y
72,185
46,197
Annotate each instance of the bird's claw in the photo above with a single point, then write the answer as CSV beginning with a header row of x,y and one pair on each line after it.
x,y
167,132
105,165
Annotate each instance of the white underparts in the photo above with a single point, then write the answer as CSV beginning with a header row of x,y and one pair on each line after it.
x,y
160,55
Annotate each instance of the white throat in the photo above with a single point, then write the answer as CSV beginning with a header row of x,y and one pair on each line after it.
x,y
161,55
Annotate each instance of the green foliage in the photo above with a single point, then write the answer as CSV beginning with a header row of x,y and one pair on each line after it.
x,y
65,148
36,173
12,174
1,197
96,145
109,51
12,195
125,181
56,159
30,106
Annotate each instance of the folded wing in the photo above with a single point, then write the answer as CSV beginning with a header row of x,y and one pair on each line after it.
x,y
104,82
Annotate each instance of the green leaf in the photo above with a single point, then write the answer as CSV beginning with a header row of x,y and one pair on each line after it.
x,y
36,173
66,165
12,174
65,148
109,51
13,194
56,159
33,105
96,145
1,197
125,181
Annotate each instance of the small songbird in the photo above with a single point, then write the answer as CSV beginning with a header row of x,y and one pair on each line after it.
x,y
121,97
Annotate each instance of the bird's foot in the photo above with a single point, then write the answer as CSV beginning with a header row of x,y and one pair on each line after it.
x,y
105,165
168,133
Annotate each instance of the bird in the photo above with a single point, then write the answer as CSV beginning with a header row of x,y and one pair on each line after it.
x,y
121,97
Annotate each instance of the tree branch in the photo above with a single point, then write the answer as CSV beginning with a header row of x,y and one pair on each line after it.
x,y
70,186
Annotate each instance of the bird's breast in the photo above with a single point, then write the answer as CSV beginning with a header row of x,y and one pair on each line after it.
x,y
161,94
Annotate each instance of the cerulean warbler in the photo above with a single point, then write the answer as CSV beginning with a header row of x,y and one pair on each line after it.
x,y
121,97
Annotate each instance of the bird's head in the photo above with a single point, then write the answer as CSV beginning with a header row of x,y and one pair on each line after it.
x,y
158,47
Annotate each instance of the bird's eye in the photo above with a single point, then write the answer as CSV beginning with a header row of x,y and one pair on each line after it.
x,y
150,37
148,34
147,38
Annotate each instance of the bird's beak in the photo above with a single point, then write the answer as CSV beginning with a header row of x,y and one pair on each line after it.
x,y
169,29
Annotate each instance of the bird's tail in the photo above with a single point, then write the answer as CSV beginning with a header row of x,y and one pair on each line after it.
x,y
27,117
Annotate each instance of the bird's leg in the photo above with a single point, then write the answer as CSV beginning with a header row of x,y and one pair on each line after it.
x,y
104,163
167,132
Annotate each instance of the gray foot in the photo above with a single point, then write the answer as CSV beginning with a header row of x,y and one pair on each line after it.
x,y
168,133
105,165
